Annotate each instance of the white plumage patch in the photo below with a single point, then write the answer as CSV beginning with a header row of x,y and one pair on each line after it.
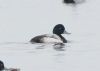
x,y
52,39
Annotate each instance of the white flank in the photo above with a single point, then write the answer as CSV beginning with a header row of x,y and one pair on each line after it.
x,y
51,40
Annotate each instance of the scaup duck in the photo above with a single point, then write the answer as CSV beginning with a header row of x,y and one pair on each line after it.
x,y
69,1
1,66
55,38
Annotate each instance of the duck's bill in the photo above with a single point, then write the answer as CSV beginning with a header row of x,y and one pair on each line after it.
x,y
65,32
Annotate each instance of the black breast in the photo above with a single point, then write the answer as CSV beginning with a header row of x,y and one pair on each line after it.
x,y
63,39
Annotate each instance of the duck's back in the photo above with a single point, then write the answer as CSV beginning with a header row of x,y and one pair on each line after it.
x,y
46,39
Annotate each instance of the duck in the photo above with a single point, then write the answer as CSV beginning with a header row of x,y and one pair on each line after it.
x,y
69,1
1,65
3,68
56,37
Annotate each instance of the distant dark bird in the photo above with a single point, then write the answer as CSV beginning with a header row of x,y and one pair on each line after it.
x,y
1,66
69,1
56,37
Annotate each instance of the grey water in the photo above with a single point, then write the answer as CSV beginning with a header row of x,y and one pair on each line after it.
x,y
21,20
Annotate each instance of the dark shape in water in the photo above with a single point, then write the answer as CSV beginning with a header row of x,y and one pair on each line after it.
x,y
59,46
69,1
1,65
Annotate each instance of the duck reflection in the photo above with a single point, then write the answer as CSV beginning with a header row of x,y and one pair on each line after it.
x,y
59,46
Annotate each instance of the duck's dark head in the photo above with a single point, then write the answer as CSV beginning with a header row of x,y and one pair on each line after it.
x,y
1,65
59,29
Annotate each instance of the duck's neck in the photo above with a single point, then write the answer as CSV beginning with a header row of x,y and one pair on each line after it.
x,y
62,38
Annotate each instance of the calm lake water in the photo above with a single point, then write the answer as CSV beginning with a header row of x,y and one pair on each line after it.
x,y
21,20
